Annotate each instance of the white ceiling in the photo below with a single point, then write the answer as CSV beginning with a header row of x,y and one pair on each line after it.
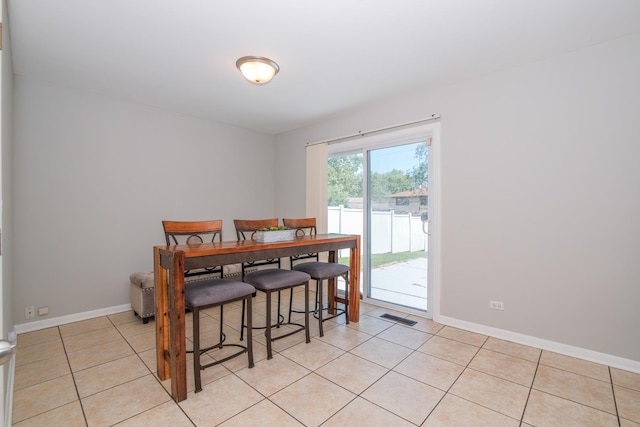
x,y
334,55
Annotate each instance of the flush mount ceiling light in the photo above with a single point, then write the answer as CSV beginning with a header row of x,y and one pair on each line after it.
x,y
256,69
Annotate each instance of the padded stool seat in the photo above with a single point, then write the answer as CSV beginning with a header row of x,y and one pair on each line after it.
x,y
275,280
201,293
322,270
207,293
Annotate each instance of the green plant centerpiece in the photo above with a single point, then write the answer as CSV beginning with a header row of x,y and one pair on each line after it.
x,y
275,234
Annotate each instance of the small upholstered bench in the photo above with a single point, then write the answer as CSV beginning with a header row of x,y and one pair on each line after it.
x,y
142,295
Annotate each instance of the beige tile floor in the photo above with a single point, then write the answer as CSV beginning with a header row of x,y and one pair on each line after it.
x,y
100,372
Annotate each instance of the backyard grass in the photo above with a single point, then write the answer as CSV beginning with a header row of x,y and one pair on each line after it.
x,y
379,260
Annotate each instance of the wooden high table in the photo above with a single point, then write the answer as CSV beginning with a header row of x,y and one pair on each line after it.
x,y
170,263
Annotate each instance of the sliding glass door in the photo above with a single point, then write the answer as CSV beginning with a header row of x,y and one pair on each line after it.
x,y
379,188
396,209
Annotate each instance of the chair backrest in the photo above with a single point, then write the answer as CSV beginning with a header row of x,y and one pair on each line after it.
x,y
303,227
194,232
246,230
190,232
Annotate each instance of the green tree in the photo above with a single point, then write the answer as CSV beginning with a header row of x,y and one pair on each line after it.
x,y
397,181
419,175
344,179
384,184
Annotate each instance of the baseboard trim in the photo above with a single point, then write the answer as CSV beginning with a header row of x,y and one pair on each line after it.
x,y
63,320
567,350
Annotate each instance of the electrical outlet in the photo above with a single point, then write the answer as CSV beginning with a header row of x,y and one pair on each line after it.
x,y
30,312
43,311
496,305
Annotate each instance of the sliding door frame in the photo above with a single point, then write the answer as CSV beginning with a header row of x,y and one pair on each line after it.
x,y
431,133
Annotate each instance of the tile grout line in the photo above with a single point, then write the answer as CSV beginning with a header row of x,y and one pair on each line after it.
x,y
73,377
613,391
146,367
526,403
155,378
458,377
384,375
576,401
359,395
413,352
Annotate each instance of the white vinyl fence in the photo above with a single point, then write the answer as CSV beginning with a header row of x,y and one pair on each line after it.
x,y
392,232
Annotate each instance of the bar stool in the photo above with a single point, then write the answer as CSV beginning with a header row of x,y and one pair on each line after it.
x,y
276,280
269,280
318,271
209,292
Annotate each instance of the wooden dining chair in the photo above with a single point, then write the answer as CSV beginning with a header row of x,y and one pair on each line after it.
x,y
318,271
269,280
206,292
246,230
194,232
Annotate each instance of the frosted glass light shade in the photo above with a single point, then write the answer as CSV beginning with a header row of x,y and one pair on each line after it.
x,y
256,69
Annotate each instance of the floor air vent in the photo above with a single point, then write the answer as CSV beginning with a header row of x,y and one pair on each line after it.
x,y
398,319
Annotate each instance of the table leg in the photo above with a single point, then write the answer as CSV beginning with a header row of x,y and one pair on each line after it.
x,y
170,329
354,282
162,316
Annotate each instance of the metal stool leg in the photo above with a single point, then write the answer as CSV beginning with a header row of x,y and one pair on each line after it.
x,y
196,347
290,303
242,320
222,336
306,311
249,332
267,332
319,305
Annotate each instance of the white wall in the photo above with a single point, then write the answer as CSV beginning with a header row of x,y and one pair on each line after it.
x,y
95,177
540,199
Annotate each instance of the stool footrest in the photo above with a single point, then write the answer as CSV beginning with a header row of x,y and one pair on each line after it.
x,y
339,312
274,325
300,328
211,347
243,349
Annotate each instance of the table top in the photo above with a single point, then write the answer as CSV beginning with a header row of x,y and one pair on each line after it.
x,y
203,255
317,243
